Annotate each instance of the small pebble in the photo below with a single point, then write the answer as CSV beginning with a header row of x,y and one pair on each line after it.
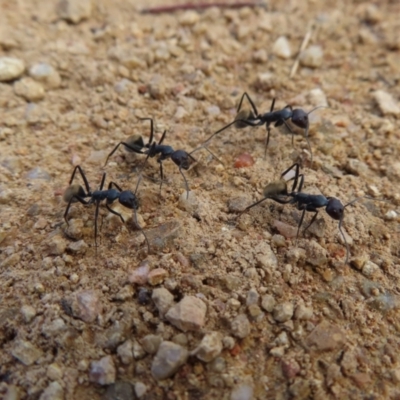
x,y
243,391
54,372
283,312
119,391
252,297
86,305
74,10
53,392
140,275
188,314
163,300
240,326
78,247
28,313
26,352
56,246
103,372
169,358
157,276
151,343
268,303
209,348
243,161
10,68
312,57
391,215
140,389
317,98
369,269
386,103
281,48
29,89
138,351
125,352
45,74
303,312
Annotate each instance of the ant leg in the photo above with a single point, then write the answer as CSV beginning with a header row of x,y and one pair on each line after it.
x,y
162,137
311,222
132,148
308,143
111,184
96,215
301,176
83,201
272,105
186,183
300,223
214,134
345,241
290,130
115,213
79,169
267,140
250,101
141,230
161,174
296,175
277,199
151,129
102,181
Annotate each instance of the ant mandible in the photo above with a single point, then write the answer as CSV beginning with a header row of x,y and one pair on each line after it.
x,y
252,117
114,192
305,202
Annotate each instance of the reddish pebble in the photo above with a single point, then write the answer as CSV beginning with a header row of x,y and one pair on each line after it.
x,y
244,160
235,350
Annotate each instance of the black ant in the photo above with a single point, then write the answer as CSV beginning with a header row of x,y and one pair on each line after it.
x,y
114,192
252,117
278,192
180,157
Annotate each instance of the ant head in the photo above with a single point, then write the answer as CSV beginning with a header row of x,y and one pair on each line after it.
x,y
182,159
335,208
129,200
243,115
300,118
73,191
135,141
275,189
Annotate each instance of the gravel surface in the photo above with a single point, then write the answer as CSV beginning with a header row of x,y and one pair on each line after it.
x,y
221,307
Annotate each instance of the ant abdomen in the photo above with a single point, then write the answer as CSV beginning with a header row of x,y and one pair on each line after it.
x,y
275,189
243,115
72,192
135,142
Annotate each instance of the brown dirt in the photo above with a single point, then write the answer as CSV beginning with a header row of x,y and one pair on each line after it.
x,y
187,71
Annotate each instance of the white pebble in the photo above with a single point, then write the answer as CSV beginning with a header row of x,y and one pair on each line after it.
x,y
386,103
281,48
312,57
10,68
391,215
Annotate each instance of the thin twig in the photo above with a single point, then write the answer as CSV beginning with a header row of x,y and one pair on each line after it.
x,y
303,46
201,6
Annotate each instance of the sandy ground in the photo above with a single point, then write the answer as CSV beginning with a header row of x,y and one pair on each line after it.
x,y
289,319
